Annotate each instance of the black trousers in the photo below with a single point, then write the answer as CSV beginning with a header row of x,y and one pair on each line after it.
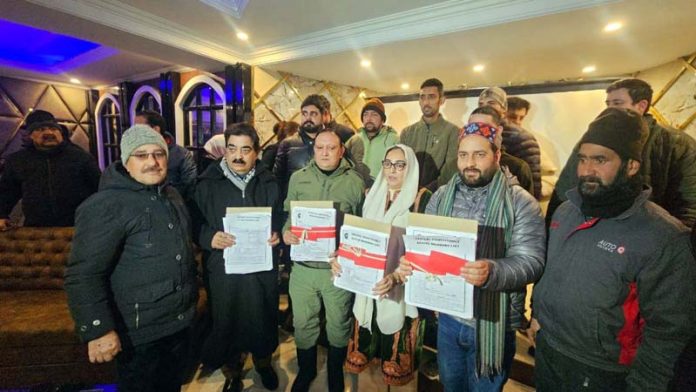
x,y
554,372
154,366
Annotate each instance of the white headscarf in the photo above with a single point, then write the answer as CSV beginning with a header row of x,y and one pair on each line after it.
x,y
390,311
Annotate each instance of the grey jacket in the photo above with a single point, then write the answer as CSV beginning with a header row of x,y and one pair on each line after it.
x,y
524,259
618,294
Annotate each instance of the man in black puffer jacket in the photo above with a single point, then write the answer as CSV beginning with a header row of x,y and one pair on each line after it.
x,y
669,157
51,176
131,277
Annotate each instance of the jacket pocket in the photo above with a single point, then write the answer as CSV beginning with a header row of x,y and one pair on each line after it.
x,y
152,292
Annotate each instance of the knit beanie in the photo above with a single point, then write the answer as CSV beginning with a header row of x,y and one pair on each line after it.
x,y
497,94
139,135
621,130
487,131
376,105
40,119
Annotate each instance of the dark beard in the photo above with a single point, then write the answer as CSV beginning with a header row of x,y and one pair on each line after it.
x,y
484,178
309,127
608,201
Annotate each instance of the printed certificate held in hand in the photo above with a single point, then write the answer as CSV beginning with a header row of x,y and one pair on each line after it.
x,y
314,223
362,254
437,248
252,230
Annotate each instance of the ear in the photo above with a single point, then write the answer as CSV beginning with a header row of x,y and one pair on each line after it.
x,y
497,155
632,168
157,128
643,105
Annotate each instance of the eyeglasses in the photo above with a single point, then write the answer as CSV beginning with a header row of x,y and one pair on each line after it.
x,y
143,156
244,150
399,165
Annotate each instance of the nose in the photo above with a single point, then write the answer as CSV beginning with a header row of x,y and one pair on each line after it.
x,y
586,169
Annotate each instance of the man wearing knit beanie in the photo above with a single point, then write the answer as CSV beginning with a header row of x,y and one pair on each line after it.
x,y
618,268
131,276
373,140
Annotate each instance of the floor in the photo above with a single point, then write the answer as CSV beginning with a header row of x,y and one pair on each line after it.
x,y
286,367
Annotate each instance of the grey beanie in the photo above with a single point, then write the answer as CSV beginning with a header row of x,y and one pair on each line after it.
x,y
139,135
497,94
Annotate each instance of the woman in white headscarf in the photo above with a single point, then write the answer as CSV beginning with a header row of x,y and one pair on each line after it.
x,y
388,328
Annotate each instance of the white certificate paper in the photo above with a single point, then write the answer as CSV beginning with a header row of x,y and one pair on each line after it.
x,y
442,292
251,251
361,244
312,221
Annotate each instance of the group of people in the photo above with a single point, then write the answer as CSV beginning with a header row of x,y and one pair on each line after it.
x,y
614,266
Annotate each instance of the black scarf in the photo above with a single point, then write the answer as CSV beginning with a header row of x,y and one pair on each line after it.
x,y
617,198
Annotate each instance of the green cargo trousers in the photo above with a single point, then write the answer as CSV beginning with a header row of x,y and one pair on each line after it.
x,y
308,288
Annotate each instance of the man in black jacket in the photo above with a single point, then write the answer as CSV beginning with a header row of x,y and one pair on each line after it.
x,y
244,307
51,176
131,277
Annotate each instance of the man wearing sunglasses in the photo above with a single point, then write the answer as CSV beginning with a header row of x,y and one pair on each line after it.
x,y
131,277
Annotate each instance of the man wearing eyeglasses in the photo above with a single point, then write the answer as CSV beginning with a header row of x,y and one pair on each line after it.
x,y
244,307
51,176
131,276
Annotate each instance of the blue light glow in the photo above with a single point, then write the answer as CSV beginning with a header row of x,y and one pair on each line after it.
x,y
39,50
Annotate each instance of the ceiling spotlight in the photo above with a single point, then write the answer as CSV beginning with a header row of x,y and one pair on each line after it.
x,y
365,63
75,80
479,68
589,69
613,26
405,86
242,36
363,94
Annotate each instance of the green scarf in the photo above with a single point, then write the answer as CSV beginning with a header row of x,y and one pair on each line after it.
x,y
490,306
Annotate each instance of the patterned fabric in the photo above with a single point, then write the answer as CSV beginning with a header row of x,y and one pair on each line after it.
x,y
482,129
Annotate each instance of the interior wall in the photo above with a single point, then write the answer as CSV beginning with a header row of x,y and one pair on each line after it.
x,y
278,96
556,119
68,104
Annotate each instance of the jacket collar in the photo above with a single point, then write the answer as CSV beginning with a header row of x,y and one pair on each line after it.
x,y
342,168
575,199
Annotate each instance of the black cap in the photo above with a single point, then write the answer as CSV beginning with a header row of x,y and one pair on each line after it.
x,y
621,130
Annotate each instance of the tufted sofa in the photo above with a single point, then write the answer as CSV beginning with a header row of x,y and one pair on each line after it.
x,y
38,343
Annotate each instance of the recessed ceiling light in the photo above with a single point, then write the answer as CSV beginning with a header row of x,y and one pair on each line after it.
x,y
365,63
589,69
75,80
405,86
242,36
613,26
479,67
362,94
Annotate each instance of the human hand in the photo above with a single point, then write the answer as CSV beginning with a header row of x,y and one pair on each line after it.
x,y
532,331
405,269
275,239
476,272
335,266
5,224
384,286
290,238
222,240
105,348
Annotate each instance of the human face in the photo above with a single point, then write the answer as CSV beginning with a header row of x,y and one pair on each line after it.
x,y
372,121
621,99
328,151
517,116
430,101
147,164
394,176
142,120
598,167
476,161
240,154
488,101
312,120
46,138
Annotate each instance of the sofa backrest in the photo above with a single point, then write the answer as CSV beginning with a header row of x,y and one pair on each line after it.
x,y
34,258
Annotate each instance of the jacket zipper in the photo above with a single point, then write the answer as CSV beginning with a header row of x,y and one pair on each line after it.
x,y
137,315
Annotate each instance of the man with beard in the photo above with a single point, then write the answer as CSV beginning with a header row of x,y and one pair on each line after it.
x,y
374,139
51,176
615,303
131,278
432,138
668,159
327,177
476,354
244,307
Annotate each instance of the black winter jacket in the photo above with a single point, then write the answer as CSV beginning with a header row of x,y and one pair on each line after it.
x,y
131,267
50,183
520,143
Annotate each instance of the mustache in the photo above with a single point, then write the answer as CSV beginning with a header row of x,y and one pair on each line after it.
x,y
239,160
48,137
151,169
585,179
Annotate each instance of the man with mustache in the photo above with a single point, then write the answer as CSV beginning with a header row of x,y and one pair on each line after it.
x,y
615,303
432,138
131,277
51,176
374,138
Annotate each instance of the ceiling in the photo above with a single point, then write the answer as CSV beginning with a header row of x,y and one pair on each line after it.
x,y
407,41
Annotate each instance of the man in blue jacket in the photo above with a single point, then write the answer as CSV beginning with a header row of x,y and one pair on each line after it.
x,y
615,304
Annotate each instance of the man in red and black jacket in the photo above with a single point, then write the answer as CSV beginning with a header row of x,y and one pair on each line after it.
x,y
615,304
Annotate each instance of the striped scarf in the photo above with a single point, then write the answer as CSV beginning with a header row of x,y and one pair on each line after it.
x,y
490,306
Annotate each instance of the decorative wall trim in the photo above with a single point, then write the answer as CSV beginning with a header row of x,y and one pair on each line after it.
x,y
179,104
233,8
97,120
139,93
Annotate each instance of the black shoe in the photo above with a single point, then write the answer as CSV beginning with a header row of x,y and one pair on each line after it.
x,y
307,363
232,385
334,368
269,378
